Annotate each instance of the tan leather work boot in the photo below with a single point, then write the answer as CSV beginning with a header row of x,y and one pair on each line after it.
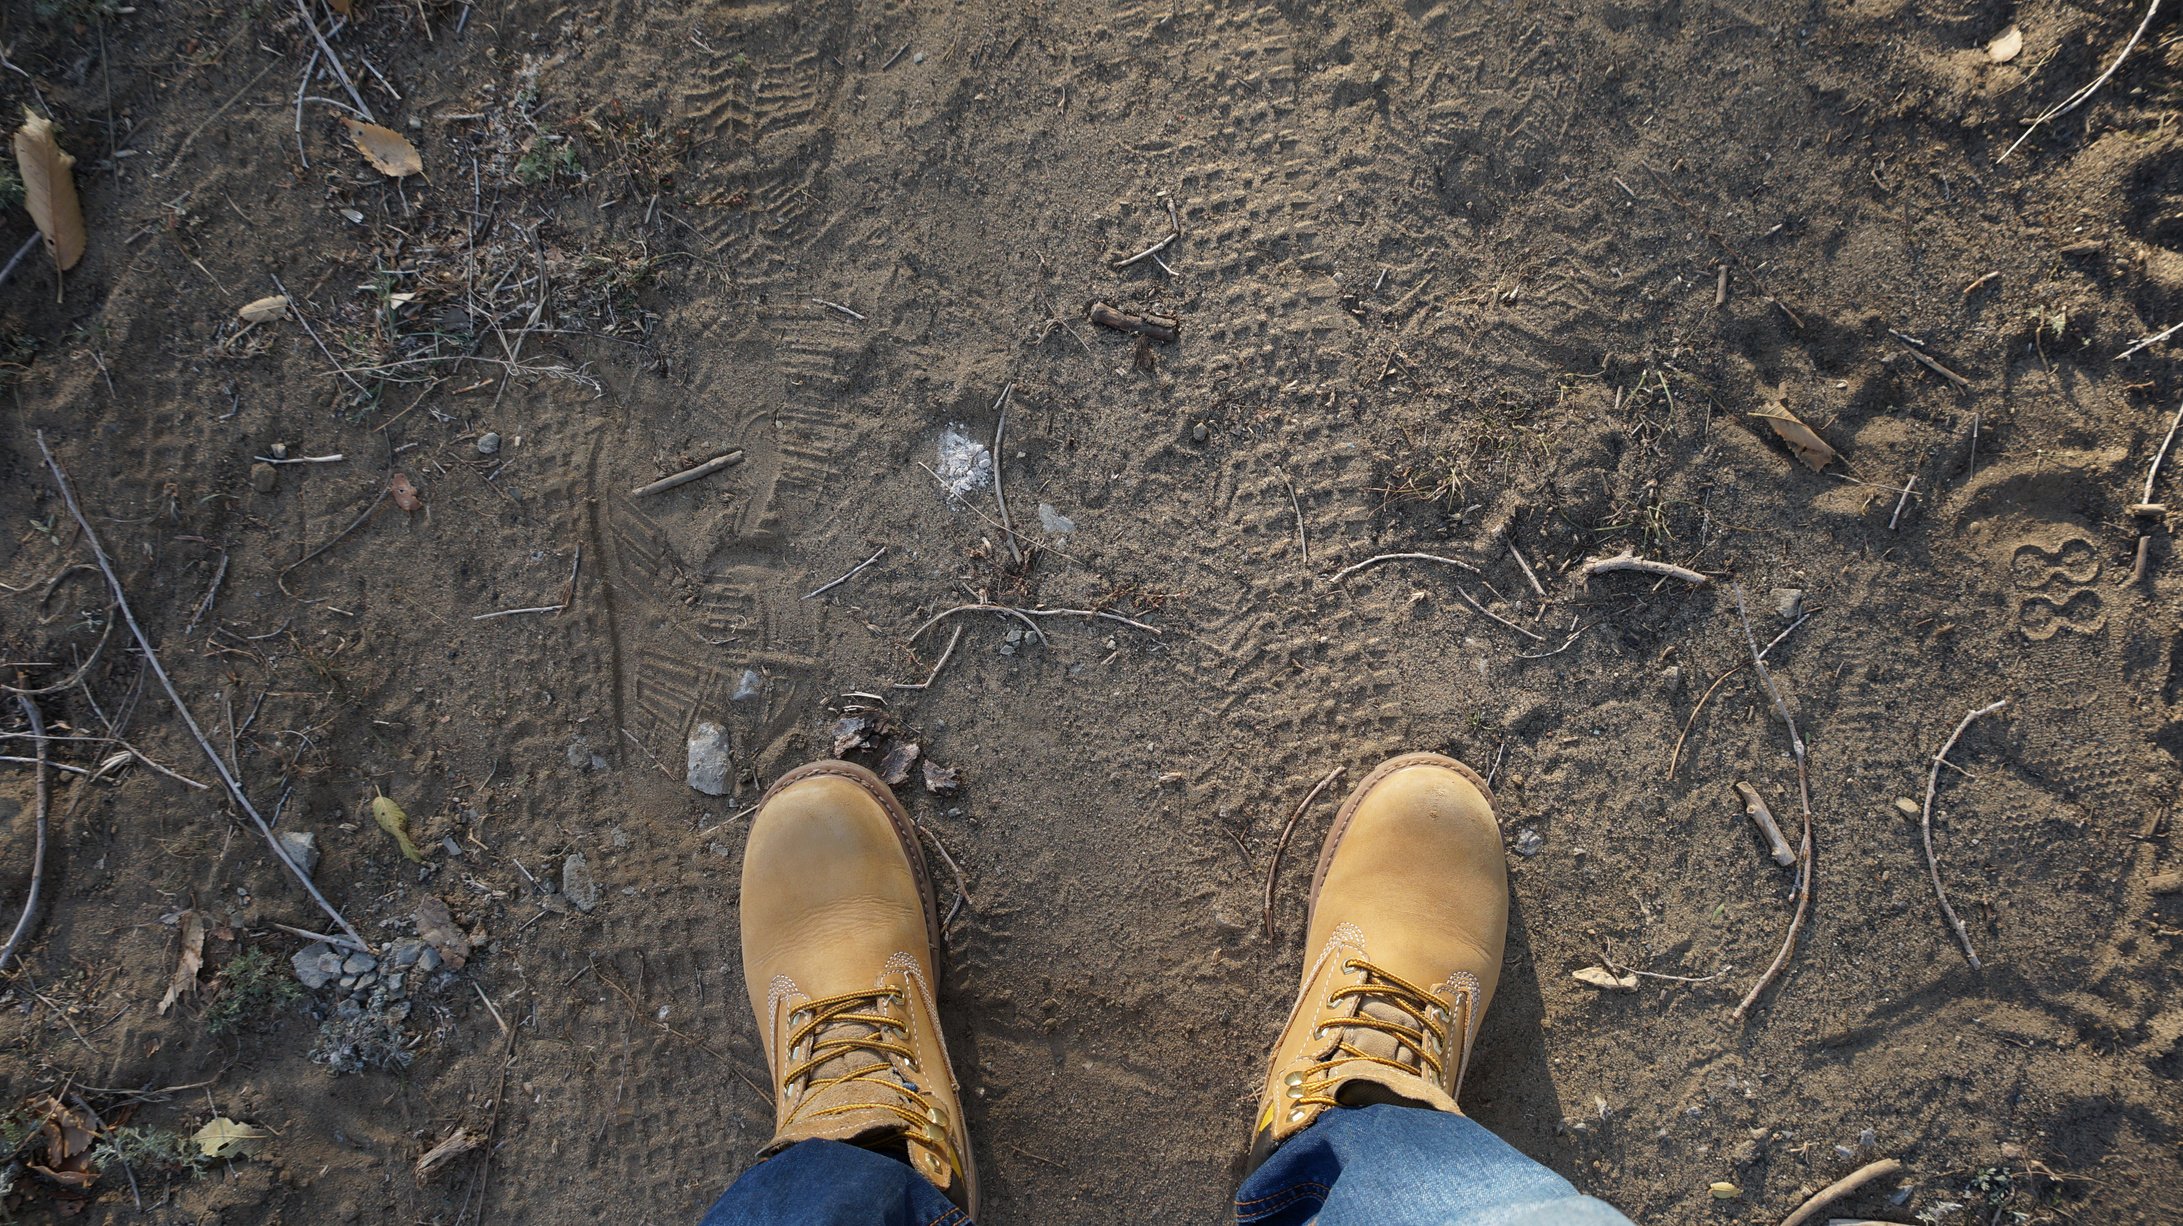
x,y
1409,910
839,943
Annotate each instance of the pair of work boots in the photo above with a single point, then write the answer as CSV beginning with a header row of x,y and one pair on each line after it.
x,y
1409,909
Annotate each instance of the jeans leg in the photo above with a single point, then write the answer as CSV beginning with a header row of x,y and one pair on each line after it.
x,y
827,1183
1406,1166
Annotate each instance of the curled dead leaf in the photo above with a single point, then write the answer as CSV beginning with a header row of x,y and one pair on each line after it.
x,y
49,189
388,151
1607,980
188,962
405,494
942,780
1804,442
264,310
2006,45
894,768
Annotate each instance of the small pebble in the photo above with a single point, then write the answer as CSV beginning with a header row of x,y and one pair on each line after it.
x,y
488,443
358,963
1198,433
263,477
707,763
1528,842
306,965
302,847
279,451
429,961
917,57
1789,603
576,883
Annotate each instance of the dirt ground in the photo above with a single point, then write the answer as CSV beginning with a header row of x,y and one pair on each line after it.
x,y
1450,280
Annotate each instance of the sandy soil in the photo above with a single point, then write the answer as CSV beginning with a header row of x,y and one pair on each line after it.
x,y
1449,281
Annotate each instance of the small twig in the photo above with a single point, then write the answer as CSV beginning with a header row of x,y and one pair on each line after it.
x,y
307,934
29,916
838,307
281,580
1804,795
335,60
1026,614
1273,869
1303,543
962,883
1529,574
1485,612
2147,342
1347,571
212,591
934,675
1925,830
21,253
1911,345
1000,493
544,608
2153,474
151,658
1900,503
1630,561
687,475
297,308
2084,95
335,458
1174,232
1840,1188
899,52
1754,807
824,588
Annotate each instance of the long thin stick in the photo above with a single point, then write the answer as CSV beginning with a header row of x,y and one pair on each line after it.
x,y
2153,474
1000,494
29,916
2084,95
1303,543
2144,343
824,588
1900,503
1842,1187
1273,870
1174,231
1630,561
1805,867
1027,614
301,318
335,60
1925,830
1347,571
281,580
234,788
687,475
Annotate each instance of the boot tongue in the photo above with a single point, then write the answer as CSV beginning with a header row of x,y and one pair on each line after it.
x,y
852,1110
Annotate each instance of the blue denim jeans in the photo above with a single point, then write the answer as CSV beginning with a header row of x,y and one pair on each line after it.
x,y
1360,1166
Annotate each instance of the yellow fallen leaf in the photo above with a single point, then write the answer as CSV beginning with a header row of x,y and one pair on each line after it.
x,y
264,309
188,962
2006,45
388,151
1803,441
1723,1190
395,822
49,190
225,1138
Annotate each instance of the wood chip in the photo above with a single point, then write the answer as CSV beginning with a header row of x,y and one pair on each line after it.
x,y
2006,46
1607,980
457,1143
1804,442
264,310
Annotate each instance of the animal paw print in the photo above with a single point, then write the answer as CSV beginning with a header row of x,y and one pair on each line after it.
x,y
2057,579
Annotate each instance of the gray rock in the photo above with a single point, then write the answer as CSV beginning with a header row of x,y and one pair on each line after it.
x,y
488,443
576,883
394,985
1198,433
1528,842
358,963
1789,603
404,953
302,847
708,761
348,982
263,477
306,963
749,686
429,961
1054,521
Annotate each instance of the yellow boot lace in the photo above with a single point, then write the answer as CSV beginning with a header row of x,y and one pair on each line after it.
x,y
1425,1032
846,1026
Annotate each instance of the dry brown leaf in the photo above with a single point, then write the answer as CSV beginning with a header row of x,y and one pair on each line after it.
x,y
188,962
222,1137
1803,441
341,8
1601,977
894,768
436,924
263,310
2006,45
388,151
459,1142
49,190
